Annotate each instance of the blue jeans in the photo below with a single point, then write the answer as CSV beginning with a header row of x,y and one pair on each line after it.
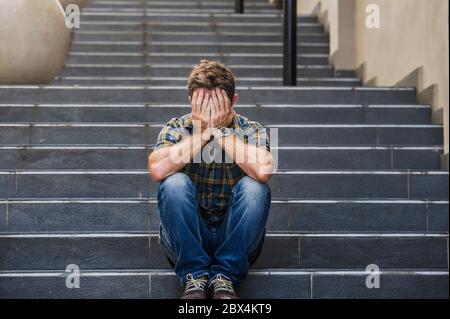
x,y
197,246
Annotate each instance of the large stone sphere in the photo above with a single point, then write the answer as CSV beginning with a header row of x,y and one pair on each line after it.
x,y
34,41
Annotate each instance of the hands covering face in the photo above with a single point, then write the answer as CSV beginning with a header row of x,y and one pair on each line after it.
x,y
212,108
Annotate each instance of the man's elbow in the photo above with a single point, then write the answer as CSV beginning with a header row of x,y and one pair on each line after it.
x,y
264,178
156,175
264,173
155,171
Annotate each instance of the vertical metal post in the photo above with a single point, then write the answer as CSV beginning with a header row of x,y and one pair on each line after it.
x,y
290,43
239,6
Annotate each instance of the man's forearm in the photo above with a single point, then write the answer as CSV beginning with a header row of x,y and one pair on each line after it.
x,y
169,160
255,161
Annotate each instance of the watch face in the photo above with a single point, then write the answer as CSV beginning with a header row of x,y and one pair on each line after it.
x,y
225,131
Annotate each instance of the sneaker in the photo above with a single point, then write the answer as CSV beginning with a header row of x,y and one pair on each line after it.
x,y
195,288
222,288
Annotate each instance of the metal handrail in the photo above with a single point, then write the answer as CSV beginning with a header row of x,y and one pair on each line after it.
x,y
239,6
290,43
289,39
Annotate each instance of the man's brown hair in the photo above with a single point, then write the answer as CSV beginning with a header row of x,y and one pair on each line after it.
x,y
212,74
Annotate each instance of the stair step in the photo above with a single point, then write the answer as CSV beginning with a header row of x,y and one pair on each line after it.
x,y
179,81
141,215
204,37
274,114
135,157
260,8
198,47
288,135
180,70
289,184
175,2
299,251
169,94
213,6
153,25
171,7
259,284
170,10
139,6
186,16
193,58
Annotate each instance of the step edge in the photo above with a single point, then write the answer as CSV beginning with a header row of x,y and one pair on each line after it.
x,y
176,87
153,200
154,234
269,272
187,106
151,146
279,172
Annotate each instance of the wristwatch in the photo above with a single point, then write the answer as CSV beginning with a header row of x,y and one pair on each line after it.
x,y
224,132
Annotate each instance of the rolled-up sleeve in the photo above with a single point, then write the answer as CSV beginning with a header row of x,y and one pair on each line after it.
x,y
256,134
172,133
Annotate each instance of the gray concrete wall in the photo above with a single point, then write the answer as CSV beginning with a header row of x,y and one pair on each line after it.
x,y
410,47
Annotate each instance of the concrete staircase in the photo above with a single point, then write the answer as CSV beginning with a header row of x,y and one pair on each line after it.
x,y
359,181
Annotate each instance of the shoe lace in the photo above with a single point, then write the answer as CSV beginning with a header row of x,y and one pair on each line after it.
x,y
195,284
222,284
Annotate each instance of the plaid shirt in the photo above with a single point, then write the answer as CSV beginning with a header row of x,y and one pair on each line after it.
x,y
213,181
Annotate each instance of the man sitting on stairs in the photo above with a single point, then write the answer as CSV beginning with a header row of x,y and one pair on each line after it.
x,y
213,199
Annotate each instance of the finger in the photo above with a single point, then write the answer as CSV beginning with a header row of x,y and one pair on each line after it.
x,y
212,116
205,101
224,100
215,99
221,100
207,115
200,97
215,114
194,102
227,100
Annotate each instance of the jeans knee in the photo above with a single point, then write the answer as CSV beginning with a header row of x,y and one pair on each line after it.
x,y
251,199
176,194
251,189
177,183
